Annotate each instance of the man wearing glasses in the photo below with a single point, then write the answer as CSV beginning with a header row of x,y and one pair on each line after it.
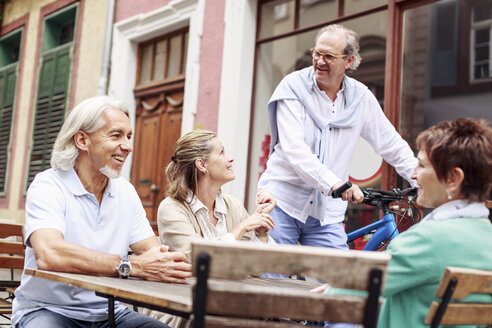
x,y
316,116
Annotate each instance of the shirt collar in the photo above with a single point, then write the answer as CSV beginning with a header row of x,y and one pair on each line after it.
x,y
75,186
458,209
316,87
196,204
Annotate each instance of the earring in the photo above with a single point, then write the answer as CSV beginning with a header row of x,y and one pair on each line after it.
x,y
449,196
205,172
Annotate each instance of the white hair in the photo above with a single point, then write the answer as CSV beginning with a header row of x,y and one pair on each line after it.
x,y
87,117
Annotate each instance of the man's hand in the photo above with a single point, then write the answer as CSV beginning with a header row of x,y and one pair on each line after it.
x,y
158,264
264,202
353,194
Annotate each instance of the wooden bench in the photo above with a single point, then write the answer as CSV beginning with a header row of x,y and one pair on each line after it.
x,y
457,284
11,257
221,300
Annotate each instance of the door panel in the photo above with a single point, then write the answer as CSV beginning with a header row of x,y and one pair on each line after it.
x,y
157,128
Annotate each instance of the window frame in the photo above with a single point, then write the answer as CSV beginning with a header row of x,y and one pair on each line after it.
x,y
184,34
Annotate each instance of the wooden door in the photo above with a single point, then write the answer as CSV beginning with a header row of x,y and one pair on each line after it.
x,y
157,128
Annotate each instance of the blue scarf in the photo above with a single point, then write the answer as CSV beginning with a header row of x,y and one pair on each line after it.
x,y
299,86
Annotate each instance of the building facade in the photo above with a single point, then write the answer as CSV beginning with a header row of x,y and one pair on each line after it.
x,y
213,64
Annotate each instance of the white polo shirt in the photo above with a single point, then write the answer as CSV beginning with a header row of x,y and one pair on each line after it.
x,y
57,199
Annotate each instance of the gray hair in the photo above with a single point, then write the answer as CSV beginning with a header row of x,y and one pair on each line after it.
x,y
87,117
351,43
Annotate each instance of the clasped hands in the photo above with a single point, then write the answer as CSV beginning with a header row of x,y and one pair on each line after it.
x,y
158,264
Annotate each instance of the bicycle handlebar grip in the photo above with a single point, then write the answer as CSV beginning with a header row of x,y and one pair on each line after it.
x,y
337,193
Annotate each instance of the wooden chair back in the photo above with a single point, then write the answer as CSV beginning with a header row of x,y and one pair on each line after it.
x,y
227,294
11,257
11,251
457,284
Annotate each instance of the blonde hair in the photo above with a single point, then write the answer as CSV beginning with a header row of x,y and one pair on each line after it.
x,y
182,173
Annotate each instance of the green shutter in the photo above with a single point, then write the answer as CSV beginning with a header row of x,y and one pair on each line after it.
x,y
8,81
50,107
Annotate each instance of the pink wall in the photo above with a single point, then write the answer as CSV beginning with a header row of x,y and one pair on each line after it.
x,y
210,65
211,45
129,8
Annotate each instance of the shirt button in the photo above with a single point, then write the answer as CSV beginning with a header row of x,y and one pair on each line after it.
x,y
310,202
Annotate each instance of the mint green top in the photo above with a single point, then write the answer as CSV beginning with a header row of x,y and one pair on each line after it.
x,y
419,257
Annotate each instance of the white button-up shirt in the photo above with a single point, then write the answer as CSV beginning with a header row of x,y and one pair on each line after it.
x,y
219,231
294,172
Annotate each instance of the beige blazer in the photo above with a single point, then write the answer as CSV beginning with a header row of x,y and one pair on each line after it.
x,y
178,226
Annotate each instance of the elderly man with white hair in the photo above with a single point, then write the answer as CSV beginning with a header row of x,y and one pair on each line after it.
x,y
82,218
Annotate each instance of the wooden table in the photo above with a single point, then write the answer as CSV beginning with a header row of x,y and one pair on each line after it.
x,y
171,298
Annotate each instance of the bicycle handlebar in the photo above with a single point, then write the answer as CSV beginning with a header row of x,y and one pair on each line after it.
x,y
337,193
395,194
371,194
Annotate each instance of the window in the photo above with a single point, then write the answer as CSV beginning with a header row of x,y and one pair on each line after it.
x,y
284,47
56,49
481,41
435,88
281,17
163,58
9,60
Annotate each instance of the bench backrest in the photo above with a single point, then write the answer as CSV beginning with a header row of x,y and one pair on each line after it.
x,y
231,262
11,251
456,284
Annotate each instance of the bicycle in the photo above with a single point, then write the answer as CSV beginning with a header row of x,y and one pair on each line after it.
x,y
388,227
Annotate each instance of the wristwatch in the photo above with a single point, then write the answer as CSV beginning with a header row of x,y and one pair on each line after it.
x,y
124,268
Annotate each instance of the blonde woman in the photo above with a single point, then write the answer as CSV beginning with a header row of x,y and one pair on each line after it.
x,y
195,206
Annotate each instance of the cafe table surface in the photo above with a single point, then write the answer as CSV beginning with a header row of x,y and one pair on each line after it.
x,y
172,298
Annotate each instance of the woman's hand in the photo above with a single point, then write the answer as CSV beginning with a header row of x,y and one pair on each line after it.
x,y
260,222
264,202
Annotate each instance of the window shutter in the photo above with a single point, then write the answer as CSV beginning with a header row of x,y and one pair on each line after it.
x,y
50,107
8,81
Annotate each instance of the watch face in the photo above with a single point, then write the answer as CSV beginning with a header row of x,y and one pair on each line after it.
x,y
124,269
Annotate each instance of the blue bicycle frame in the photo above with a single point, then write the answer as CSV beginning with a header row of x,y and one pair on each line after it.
x,y
385,230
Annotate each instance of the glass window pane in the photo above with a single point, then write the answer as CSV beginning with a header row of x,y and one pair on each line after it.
x,y
159,60
280,57
185,53
431,89
145,61
482,12
277,17
482,36
482,53
355,6
174,56
482,71
313,12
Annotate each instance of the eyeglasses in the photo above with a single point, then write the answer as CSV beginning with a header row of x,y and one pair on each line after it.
x,y
329,58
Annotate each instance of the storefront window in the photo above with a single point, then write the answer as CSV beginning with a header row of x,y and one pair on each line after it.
x,y
443,77
283,56
355,6
277,17
313,12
